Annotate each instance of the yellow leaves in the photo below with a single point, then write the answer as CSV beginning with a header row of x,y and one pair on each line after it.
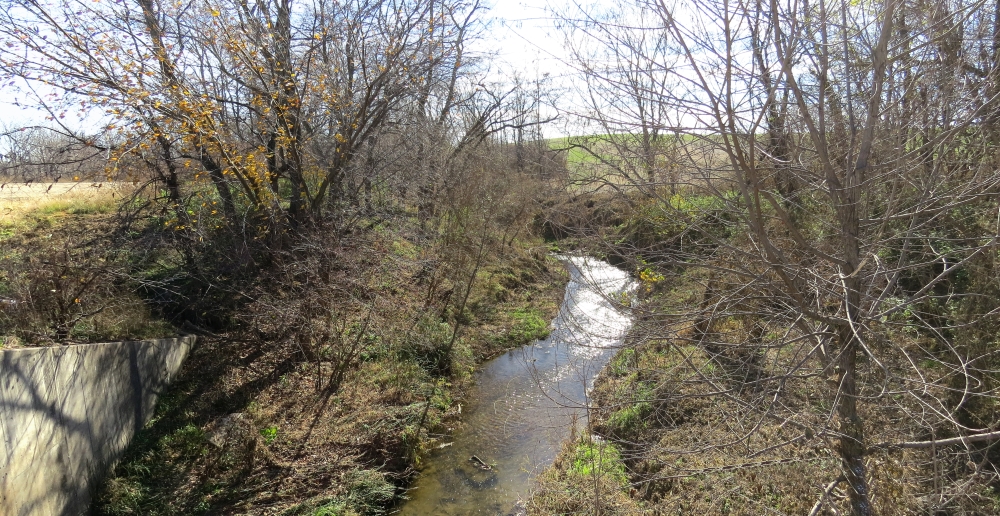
x,y
215,13
650,277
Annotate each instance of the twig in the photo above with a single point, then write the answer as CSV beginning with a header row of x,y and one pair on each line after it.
x,y
826,494
481,463
988,436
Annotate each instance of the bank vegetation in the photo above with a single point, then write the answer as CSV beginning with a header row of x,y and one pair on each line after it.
x,y
335,196
808,192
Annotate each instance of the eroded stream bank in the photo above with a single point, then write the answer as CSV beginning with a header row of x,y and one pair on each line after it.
x,y
526,401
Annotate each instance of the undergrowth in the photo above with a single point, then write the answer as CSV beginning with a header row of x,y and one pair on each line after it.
x,y
261,427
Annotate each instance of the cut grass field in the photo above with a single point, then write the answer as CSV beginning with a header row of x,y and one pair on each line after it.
x,y
18,200
575,156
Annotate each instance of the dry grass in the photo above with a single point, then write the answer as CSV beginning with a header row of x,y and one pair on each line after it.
x,y
61,277
60,284
303,449
686,449
18,200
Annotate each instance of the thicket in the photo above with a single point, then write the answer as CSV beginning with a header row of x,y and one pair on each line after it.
x,y
692,401
332,194
328,392
329,360
816,333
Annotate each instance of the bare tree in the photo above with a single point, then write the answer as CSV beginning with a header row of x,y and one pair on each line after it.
x,y
271,103
841,191
625,69
36,153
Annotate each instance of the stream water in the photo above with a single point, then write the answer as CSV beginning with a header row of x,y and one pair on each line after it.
x,y
525,402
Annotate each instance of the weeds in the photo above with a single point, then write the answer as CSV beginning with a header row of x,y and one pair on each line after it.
x,y
317,444
67,282
598,458
269,434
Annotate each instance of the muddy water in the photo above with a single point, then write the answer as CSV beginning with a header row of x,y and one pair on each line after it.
x,y
525,402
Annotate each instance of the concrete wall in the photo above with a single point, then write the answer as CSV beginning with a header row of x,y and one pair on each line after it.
x,y
68,412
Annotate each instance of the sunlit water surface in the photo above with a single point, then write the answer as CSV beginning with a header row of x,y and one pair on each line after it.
x,y
525,402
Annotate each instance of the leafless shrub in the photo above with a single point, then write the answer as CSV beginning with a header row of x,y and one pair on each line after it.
x,y
849,154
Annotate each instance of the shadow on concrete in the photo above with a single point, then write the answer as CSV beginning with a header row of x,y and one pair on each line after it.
x,y
68,413
170,461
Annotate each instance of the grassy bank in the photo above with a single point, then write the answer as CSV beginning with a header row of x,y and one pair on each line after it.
x,y
251,429
324,369
656,408
718,405
64,277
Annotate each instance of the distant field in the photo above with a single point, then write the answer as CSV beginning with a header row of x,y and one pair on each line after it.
x,y
20,199
685,159
574,156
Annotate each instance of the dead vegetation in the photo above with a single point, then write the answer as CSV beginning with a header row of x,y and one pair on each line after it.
x,y
691,436
63,277
326,399
717,405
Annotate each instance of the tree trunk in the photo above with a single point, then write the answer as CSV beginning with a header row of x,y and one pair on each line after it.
x,y
852,434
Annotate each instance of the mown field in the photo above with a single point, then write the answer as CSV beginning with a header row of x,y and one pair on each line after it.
x,y
18,200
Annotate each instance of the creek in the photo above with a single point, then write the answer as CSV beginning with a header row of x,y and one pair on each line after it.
x,y
526,401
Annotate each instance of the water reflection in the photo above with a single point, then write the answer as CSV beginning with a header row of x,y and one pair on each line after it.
x,y
525,401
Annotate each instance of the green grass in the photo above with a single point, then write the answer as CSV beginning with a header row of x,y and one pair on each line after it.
x,y
575,156
79,206
622,363
529,325
634,416
600,459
